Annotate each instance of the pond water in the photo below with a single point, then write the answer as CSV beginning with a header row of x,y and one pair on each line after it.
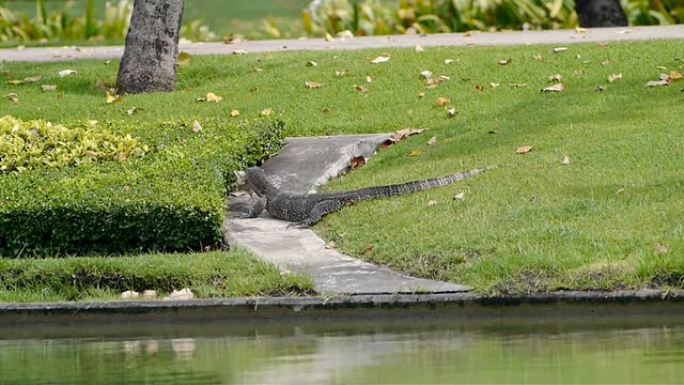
x,y
423,353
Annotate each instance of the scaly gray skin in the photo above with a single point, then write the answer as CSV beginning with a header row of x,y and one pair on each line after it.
x,y
309,209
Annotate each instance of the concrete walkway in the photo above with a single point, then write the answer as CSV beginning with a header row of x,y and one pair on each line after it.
x,y
303,164
558,37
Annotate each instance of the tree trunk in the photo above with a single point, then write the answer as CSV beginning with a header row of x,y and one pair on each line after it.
x,y
600,13
149,59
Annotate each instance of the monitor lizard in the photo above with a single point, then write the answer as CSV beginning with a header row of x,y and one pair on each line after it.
x,y
311,208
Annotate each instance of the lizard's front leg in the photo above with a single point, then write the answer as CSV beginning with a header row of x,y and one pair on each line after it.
x,y
258,205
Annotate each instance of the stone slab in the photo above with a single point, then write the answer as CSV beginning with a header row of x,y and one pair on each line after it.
x,y
303,164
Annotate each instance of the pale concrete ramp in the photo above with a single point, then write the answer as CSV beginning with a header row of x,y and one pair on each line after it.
x,y
301,165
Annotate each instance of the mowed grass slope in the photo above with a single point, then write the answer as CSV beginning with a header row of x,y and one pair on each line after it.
x,y
611,219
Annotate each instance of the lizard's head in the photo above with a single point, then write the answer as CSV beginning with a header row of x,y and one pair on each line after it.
x,y
256,179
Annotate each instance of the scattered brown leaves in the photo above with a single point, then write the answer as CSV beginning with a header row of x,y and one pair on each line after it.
x,y
113,98
357,162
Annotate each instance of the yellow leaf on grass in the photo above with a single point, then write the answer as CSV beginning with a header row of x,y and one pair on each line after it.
x,y
266,112
234,113
312,85
523,149
66,73
183,58
111,99
415,153
674,76
614,77
381,59
459,196
554,88
213,98
15,82
560,49
565,161
442,102
555,78
432,141
196,126
504,62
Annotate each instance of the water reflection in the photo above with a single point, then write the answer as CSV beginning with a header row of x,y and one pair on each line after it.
x,y
435,355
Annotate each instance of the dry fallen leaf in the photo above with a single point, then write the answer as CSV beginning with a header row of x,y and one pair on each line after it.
x,y
312,85
555,78
196,126
560,49
660,249
234,113
266,112
468,34
15,82
673,76
523,149
340,73
565,161
405,133
554,88
494,85
240,52
311,64
425,75
614,77
361,89
451,112
431,203
380,59
600,89
369,79
357,162
183,58
605,62
33,79
133,110
113,98
48,88
657,83
442,102
213,98
460,196
448,61
328,37
420,49
432,141
12,97
538,57
330,245
504,62
415,153
580,30
421,94
65,73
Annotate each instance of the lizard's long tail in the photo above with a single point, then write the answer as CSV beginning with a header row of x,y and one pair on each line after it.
x,y
407,188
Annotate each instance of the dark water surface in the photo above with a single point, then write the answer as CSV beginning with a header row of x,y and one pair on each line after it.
x,y
416,353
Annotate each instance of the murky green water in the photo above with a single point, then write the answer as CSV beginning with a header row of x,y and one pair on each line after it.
x,y
371,354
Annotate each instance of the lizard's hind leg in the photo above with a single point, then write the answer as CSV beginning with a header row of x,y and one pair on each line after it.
x,y
322,209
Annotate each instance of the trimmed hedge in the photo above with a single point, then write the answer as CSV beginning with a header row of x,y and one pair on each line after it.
x,y
170,200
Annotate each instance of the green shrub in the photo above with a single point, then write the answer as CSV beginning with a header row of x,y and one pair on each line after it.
x,y
380,17
170,200
40,144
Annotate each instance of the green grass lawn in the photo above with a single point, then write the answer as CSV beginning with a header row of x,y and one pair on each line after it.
x,y
532,224
208,275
